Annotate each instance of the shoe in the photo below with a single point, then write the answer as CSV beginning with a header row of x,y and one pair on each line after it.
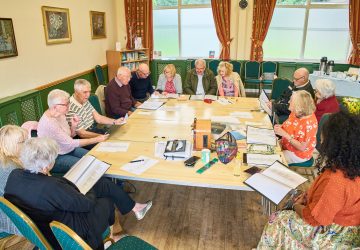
x,y
140,214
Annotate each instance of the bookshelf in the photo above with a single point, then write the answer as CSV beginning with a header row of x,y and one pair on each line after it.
x,y
130,58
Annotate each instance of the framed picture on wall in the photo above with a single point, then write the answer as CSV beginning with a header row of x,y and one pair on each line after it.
x,y
56,25
7,38
97,24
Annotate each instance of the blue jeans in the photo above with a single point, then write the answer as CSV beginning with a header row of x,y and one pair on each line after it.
x,y
64,162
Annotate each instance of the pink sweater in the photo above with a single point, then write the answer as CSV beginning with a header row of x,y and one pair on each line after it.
x,y
59,130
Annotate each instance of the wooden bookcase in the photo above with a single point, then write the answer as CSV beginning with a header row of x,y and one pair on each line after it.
x,y
129,58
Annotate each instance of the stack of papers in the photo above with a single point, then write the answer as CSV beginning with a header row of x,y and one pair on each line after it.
x,y
151,105
263,102
260,136
167,96
139,165
224,101
202,97
261,159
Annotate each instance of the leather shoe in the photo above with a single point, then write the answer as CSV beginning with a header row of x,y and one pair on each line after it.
x,y
140,214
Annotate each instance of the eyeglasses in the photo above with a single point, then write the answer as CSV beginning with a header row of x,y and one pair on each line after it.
x,y
297,79
63,104
145,74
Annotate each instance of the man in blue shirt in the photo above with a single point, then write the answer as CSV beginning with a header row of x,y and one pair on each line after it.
x,y
140,83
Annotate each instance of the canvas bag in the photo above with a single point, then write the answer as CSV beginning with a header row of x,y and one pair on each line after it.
x,y
226,148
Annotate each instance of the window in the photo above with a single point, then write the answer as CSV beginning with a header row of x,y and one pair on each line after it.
x,y
308,30
184,28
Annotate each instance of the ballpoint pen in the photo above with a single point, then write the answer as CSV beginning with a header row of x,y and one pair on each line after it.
x,y
136,161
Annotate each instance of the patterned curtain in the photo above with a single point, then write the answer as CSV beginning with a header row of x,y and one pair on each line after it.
x,y
138,14
354,25
221,14
263,11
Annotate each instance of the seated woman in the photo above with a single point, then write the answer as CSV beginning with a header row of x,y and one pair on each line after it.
x,y
11,139
55,198
325,98
169,81
327,215
229,83
53,124
298,132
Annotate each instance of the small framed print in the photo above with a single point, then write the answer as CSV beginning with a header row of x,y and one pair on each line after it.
x,y
7,38
97,24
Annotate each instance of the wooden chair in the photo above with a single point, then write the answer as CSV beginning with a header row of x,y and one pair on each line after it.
x,y
68,239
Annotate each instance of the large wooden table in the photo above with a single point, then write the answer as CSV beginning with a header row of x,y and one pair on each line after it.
x,y
173,121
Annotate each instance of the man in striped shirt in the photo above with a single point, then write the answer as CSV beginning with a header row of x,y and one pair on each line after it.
x,y
89,117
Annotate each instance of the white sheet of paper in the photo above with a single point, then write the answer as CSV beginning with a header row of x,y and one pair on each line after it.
x,y
224,101
260,136
239,114
211,97
151,105
225,119
113,147
139,167
263,100
262,160
144,113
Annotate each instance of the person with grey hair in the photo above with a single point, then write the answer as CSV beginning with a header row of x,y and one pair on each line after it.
x,y
118,98
200,80
325,98
141,84
53,198
53,124
89,117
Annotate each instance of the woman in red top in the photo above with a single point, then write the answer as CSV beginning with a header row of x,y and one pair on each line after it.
x,y
298,132
327,215
325,98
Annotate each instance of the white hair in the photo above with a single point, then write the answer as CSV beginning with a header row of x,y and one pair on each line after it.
x,y
122,70
38,153
325,87
56,96
80,84
200,62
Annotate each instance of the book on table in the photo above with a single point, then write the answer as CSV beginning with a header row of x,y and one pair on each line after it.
x,y
86,172
178,149
275,182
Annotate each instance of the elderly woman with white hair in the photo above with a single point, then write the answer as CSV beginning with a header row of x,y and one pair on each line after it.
x,y
325,98
55,198
53,124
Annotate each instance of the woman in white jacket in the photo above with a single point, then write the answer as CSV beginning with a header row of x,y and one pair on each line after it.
x,y
169,82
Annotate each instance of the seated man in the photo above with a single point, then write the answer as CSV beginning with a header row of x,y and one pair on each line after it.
x,y
140,83
301,81
89,117
118,98
200,81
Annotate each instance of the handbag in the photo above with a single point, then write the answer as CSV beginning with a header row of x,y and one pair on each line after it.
x,y
226,148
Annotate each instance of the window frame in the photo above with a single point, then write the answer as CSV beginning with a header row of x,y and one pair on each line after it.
x,y
308,5
180,7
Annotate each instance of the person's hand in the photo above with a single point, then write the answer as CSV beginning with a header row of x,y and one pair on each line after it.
x,y
164,93
137,104
156,92
75,121
269,104
129,112
119,121
301,199
279,131
101,138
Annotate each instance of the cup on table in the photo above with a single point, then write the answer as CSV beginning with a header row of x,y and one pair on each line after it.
x,y
205,155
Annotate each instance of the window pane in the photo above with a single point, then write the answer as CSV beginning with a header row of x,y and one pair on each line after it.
x,y
331,1
165,3
187,2
291,2
198,35
285,34
166,38
327,29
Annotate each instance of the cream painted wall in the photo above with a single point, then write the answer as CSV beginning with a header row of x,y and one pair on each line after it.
x,y
37,63
241,29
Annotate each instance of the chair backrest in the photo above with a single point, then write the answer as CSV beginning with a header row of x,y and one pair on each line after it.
x,y
252,69
268,67
94,100
323,119
278,87
67,238
100,93
236,67
99,75
213,65
25,225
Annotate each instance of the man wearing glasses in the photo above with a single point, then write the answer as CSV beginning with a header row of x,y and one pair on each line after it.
x,y
301,81
200,81
140,83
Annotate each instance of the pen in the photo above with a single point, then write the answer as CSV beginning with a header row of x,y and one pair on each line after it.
x,y
136,161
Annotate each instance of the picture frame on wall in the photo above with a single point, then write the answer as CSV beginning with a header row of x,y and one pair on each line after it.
x,y
56,25
7,38
97,24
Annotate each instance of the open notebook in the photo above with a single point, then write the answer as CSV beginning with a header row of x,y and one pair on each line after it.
x,y
86,172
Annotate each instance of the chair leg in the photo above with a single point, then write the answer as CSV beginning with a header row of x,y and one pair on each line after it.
x,y
116,228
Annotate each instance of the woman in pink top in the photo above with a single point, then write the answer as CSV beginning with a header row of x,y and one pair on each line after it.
x,y
53,124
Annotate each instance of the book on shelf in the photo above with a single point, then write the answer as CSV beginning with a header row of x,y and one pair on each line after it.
x,y
86,172
178,149
275,182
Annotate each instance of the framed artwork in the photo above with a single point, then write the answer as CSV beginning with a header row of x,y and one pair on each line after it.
x,y
7,38
97,24
56,25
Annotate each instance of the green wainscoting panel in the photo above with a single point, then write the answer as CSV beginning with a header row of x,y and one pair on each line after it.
x,y
286,70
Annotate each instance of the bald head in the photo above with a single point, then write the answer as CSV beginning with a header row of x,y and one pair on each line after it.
x,y
301,76
124,75
143,70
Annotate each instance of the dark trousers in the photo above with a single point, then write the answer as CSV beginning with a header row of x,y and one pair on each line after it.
x,y
105,188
